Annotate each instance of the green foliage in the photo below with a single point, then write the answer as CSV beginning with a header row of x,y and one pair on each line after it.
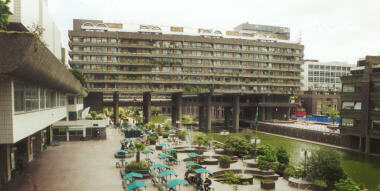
x,y
238,146
248,134
347,185
325,164
173,154
99,117
282,155
231,178
139,147
290,171
122,113
142,165
333,114
187,119
152,138
165,134
320,183
201,139
93,114
4,14
106,112
267,158
150,126
183,134
79,76
224,159
88,117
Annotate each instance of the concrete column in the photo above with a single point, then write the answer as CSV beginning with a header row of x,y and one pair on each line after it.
x,y
5,163
50,134
270,113
67,135
116,107
263,114
367,145
84,132
176,109
288,117
227,116
236,112
208,113
29,147
38,142
201,118
147,106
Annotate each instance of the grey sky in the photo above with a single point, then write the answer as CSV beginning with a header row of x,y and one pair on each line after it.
x,y
332,30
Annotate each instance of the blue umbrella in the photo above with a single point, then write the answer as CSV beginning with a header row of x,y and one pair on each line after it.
x,y
170,132
152,133
147,151
160,165
129,139
190,164
133,174
202,170
192,154
135,185
142,135
176,182
171,149
164,156
164,144
168,172
121,151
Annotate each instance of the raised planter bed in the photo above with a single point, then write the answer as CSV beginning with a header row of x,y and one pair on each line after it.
x,y
268,184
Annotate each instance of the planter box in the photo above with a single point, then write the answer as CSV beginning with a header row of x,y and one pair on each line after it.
x,y
158,147
165,136
224,165
152,142
268,185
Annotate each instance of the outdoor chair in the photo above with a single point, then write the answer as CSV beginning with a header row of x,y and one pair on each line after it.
x,y
155,181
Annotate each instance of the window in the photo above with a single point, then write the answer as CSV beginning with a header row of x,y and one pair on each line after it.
x,y
70,100
347,122
376,87
51,99
348,88
348,105
18,97
75,132
42,98
376,125
31,98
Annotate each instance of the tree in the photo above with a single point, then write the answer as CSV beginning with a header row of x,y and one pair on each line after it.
x,y
347,185
248,134
325,165
267,158
139,147
333,114
93,114
106,112
238,146
325,109
4,14
201,139
122,113
79,76
282,155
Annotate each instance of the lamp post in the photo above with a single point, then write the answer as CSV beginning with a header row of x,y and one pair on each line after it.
x,y
305,153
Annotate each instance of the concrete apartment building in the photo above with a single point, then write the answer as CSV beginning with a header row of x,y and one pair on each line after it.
x,y
202,69
322,85
34,86
360,111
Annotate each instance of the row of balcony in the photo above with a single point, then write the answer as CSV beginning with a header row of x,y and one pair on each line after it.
x,y
142,46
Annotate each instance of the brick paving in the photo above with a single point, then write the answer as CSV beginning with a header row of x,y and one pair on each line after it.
x,y
90,165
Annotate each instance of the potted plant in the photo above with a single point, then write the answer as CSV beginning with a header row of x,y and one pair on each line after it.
x,y
319,185
152,139
224,161
165,134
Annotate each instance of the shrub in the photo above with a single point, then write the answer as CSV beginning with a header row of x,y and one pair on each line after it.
x,y
142,165
347,185
152,138
320,183
165,134
267,158
201,139
93,114
88,117
231,178
325,163
238,146
289,171
183,134
224,159
282,155
150,126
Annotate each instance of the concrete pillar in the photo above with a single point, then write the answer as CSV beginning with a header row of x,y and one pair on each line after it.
x,y
50,134
147,106
269,114
360,143
176,109
263,114
5,163
116,107
367,145
84,132
288,117
236,112
201,118
208,113
38,142
227,116
29,147
67,134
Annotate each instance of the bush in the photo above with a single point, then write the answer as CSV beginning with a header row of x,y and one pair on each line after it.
x,y
267,158
289,171
150,126
231,178
183,135
248,134
165,134
325,163
320,183
93,114
152,138
224,159
201,139
238,146
142,165
347,185
88,117
282,155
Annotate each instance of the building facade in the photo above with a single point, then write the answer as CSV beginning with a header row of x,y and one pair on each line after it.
x,y
34,88
151,60
360,126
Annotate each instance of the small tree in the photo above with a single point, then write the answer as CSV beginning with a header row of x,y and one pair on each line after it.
x,y
347,185
79,76
93,114
333,114
4,14
201,139
139,147
282,155
106,112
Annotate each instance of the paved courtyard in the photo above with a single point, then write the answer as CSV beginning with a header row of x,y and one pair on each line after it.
x,y
90,165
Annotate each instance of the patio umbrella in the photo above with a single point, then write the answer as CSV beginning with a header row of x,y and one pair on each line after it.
x,y
129,139
159,165
121,151
170,132
191,163
192,154
171,149
132,174
152,133
147,151
202,170
164,144
168,172
135,185
176,182
142,135
164,156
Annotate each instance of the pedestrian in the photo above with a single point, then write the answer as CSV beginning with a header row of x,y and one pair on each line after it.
x,y
207,184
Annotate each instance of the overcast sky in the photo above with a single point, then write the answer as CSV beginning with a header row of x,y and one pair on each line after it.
x,y
332,30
